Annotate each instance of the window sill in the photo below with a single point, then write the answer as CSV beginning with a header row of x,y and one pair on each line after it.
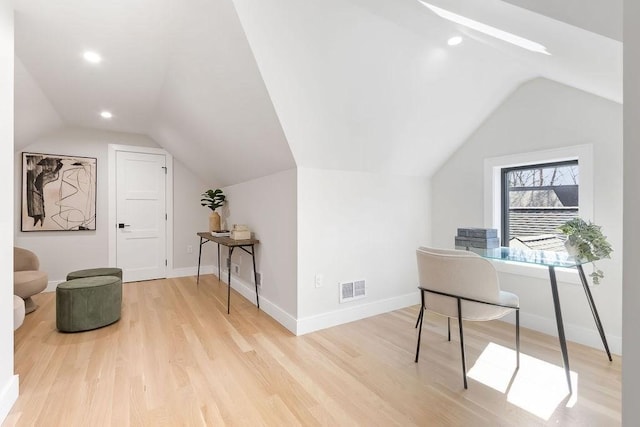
x,y
563,275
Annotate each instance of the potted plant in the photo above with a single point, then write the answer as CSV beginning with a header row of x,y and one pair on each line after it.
x,y
585,241
213,199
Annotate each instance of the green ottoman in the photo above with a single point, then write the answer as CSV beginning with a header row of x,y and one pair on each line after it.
x,y
88,303
92,272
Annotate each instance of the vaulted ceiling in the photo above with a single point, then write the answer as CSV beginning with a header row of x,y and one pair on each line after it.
x,y
244,88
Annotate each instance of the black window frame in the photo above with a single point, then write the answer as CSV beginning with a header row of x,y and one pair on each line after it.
x,y
504,200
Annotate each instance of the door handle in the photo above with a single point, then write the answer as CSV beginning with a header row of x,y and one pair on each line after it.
x,y
123,225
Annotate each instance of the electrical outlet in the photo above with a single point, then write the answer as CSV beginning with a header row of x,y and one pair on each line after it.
x,y
259,279
189,249
319,280
235,268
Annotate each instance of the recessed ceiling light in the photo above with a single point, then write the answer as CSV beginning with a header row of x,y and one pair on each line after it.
x,y
92,57
106,114
487,29
454,41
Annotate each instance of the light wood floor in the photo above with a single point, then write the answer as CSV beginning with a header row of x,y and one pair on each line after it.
x,y
177,359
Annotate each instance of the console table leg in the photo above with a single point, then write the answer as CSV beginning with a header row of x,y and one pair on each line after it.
x,y
229,280
255,274
199,259
219,278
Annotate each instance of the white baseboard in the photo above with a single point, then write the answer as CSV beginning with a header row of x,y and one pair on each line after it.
x,y
8,396
191,271
574,333
579,334
338,317
52,285
248,291
176,272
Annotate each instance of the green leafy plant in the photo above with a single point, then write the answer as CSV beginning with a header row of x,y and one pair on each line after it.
x,y
213,199
589,243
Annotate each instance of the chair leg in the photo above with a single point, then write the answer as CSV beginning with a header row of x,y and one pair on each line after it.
x,y
464,362
29,305
420,319
448,328
517,338
419,316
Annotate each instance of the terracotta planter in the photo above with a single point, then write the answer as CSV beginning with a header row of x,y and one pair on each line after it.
x,y
214,221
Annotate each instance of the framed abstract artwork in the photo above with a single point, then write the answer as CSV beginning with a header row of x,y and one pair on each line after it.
x,y
58,192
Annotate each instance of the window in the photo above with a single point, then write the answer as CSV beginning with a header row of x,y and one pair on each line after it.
x,y
493,196
536,200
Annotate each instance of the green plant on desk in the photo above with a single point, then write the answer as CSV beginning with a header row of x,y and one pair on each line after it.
x,y
213,199
585,241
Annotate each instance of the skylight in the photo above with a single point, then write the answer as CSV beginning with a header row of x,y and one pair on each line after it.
x,y
487,29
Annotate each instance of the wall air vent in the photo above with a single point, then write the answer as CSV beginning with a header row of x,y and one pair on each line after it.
x,y
350,291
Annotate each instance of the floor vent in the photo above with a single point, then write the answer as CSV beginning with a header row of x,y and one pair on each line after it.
x,y
352,290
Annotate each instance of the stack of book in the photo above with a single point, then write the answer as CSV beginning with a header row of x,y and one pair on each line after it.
x,y
485,238
221,233
240,232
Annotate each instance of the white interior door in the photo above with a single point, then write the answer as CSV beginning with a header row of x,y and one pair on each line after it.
x,y
141,215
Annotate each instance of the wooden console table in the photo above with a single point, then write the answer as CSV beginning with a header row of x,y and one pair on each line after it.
x,y
205,237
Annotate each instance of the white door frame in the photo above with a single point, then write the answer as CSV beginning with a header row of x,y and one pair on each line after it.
x,y
113,149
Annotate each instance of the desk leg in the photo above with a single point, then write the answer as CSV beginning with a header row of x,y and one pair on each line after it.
x,y
561,337
199,259
594,310
229,280
255,274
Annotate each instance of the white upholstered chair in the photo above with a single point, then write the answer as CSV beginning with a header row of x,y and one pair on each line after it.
x,y
18,312
28,280
463,285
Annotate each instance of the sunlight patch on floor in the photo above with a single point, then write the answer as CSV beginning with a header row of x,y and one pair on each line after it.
x,y
538,387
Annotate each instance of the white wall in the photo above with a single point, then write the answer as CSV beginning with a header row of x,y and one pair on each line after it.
x,y
54,248
8,382
631,271
189,216
542,115
267,206
355,225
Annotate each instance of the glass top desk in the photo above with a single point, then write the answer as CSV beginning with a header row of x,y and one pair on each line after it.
x,y
551,260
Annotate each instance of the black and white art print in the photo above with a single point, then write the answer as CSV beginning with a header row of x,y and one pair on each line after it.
x,y
58,192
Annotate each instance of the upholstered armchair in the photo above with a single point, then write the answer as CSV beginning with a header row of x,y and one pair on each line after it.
x,y
27,279
464,286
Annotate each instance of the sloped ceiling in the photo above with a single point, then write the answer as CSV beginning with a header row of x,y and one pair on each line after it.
x,y
372,85
214,109
34,114
602,17
179,71
237,89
